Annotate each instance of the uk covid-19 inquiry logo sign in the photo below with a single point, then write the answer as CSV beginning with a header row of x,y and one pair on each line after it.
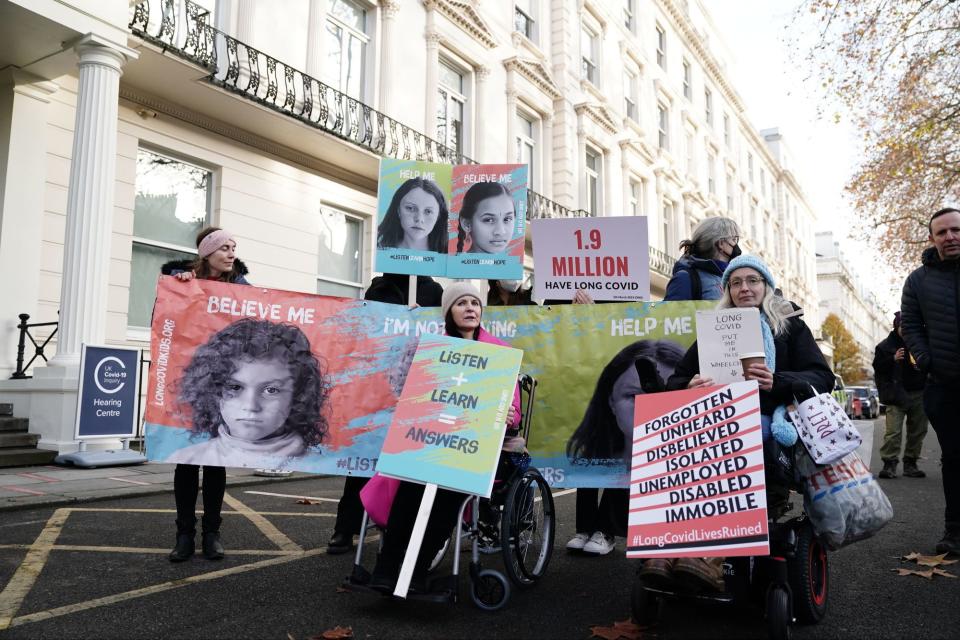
x,y
106,406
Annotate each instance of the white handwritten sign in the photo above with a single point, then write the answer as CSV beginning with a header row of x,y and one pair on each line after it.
x,y
723,337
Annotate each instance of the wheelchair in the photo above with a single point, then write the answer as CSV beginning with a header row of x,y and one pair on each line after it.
x,y
790,585
519,518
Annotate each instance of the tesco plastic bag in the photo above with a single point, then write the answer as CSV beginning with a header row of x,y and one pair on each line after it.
x,y
842,499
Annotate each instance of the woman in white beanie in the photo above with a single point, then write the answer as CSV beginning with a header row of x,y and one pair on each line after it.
x,y
462,312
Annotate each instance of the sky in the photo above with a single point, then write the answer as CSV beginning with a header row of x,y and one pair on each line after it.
x,y
766,45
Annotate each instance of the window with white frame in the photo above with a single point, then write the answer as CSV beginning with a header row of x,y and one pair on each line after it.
x,y
753,224
589,54
636,197
750,167
691,149
763,182
661,47
171,206
630,94
726,130
593,169
340,264
527,145
346,47
663,126
523,19
451,106
628,10
666,225
708,106
711,172
687,80
729,191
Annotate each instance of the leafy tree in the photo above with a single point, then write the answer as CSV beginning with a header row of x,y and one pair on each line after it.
x,y
846,352
896,65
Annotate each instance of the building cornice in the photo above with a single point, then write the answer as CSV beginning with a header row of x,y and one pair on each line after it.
x,y
536,73
599,114
465,15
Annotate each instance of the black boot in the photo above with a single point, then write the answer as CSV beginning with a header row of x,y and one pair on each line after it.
x,y
212,549
889,470
951,540
340,543
911,470
184,548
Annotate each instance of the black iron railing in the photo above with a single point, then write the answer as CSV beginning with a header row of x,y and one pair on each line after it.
x,y
181,27
539,206
38,348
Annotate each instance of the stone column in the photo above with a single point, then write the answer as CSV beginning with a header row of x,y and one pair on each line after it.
x,y
86,247
246,21
24,109
316,38
546,156
433,82
581,162
485,147
389,10
511,125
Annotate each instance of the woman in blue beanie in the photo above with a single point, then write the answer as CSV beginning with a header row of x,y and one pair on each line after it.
x,y
792,358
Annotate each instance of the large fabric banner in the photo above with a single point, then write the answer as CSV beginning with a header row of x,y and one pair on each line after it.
x,y
449,424
232,360
697,486
463,221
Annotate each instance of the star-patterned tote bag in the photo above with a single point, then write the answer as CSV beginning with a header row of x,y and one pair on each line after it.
x,y
824,428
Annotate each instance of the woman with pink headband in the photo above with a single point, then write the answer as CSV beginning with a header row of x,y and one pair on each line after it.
x,y
216,260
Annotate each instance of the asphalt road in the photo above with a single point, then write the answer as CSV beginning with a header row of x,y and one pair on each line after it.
x,y
100,571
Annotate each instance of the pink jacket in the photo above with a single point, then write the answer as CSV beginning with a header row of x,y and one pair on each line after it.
x,y
484,336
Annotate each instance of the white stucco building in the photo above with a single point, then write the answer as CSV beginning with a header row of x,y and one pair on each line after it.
x,y
127,126
842,292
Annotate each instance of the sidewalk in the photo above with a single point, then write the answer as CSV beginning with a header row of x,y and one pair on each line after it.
x,y
52,485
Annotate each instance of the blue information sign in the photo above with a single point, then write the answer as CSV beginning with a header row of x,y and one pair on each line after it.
x,y
107,402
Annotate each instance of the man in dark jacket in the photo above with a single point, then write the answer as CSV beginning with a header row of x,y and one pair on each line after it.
x,y
931,330
391,288
900,384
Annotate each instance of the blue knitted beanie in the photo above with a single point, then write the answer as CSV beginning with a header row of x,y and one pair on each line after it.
x,y
748,261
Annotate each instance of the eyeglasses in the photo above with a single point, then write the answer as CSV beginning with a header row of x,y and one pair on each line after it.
x,y
733,239
751,281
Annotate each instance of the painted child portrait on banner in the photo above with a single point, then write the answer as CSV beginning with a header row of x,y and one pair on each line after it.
x,y
256,394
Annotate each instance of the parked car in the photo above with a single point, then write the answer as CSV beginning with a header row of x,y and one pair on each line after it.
x,y
876,400
869,406
843,398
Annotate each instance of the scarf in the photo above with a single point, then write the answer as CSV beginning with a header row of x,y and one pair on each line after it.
x,y
781,429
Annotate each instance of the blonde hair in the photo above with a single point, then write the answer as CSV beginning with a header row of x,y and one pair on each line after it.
x,y
703,243
772,306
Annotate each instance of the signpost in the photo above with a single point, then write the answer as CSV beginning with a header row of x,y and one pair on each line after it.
x,y
106,405
697,485
607,258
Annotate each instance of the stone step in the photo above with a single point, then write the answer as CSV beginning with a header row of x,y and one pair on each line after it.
x,y
6,409
24,457
16,439
8,423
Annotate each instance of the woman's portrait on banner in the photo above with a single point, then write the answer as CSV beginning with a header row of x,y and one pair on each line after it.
x,y
416,218
487,219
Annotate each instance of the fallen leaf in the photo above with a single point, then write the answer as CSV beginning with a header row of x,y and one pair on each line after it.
x,y
910,556
290,637
337,633
945,574
307,501
607,633
933,561
629,629
343,590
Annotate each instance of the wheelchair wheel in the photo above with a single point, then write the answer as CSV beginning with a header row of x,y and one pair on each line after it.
x,y
490,590
778,614
643,605
527,529
809,577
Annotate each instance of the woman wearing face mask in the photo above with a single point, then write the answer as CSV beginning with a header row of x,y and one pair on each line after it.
x,y
487,219
696,275
508,293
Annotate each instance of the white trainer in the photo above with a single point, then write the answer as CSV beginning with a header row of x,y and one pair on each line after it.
x,y
576,542
599,544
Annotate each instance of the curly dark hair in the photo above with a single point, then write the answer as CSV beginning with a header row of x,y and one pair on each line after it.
x,y
471,200
214,362
390,232
598,435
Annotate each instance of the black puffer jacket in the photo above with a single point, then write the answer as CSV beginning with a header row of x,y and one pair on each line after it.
x,y
799,361
930,310
392,288
894,378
